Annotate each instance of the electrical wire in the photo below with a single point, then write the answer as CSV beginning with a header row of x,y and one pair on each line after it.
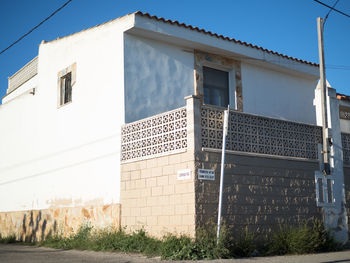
x,y
336,10
30,31
330,10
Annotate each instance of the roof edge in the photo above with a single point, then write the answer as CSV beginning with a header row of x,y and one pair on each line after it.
x,y
200,30
90,28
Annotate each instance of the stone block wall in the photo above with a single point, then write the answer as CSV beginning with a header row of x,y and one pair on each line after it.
x,y
260,193
154,199
35,225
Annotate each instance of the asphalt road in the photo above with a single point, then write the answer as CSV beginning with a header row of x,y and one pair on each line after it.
x,y
13,253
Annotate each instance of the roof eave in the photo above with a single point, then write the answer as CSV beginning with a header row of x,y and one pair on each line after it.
x,y
188,36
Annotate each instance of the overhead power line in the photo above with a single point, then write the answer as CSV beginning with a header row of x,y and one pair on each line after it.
x,y
336,10
30,31
330,10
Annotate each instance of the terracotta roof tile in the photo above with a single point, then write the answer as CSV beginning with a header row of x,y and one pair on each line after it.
x,y
343,97
223,37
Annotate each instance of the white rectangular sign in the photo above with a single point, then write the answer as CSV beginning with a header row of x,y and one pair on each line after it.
x,y
184,174
206,174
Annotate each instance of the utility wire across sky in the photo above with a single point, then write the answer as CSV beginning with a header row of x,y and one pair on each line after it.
x,y
332,8
30,31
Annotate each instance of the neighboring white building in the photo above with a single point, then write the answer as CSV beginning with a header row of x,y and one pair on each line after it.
x,y
62,114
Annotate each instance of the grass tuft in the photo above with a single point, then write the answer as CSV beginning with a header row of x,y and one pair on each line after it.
x,y
8,240
309,237
242,246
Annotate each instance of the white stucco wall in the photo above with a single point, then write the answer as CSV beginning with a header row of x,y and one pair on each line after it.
x,y
67,156
157,77
278,95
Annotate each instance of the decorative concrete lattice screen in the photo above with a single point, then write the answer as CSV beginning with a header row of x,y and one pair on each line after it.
x,y
155,136
23,75
345,139
256,134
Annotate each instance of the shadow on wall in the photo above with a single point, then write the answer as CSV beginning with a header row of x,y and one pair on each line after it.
x,y
35,228
36,225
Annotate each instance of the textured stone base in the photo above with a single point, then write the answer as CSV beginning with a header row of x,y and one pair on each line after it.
x,y
260,193
35,225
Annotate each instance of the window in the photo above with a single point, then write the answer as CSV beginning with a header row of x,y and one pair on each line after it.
x,y
66,79
218,80
66,89
216,87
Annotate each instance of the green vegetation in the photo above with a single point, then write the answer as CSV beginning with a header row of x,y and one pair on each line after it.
x,y
309,237
87,238
7,240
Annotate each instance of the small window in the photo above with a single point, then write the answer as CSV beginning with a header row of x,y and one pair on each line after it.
x,y
66,89
216,87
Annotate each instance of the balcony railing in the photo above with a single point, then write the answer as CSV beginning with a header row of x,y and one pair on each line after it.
x,y
257,134
166,133
158,135
23,75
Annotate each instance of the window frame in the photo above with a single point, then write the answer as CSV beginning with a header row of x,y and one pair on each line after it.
x,y
232,101
215,61
61,77
64,90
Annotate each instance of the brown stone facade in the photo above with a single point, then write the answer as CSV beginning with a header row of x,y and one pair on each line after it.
x,y
35,225
153,198
260,193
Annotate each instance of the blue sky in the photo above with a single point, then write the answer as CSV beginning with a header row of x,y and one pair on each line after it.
x,y
285,26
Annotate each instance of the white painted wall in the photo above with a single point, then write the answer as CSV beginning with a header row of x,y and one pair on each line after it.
x,y
157,77
67,156
278,95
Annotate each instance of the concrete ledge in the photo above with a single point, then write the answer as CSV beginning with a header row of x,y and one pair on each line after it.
x,y
262,155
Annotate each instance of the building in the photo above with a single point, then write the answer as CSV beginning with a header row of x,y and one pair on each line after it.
x,y
112,124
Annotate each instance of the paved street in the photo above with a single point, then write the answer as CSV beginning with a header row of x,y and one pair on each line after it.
x,y
17,254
